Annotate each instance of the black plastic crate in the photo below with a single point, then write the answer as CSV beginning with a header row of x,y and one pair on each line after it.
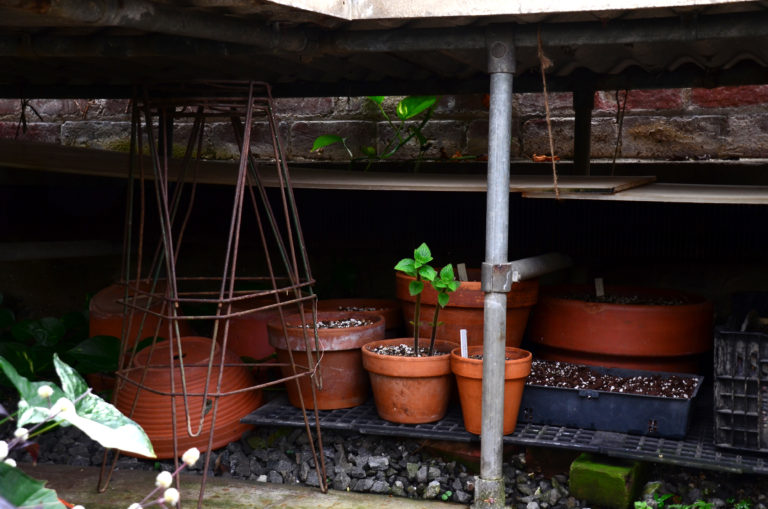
x,y
609,411
741,388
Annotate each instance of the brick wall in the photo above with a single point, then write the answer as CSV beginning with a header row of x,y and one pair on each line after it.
x,y
659,124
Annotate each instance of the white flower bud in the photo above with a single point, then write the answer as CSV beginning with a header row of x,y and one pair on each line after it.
x,y
135,505
3,450
191,456
62,406
10,461
78,507
164,479
45,391
23,403
171,496
22,434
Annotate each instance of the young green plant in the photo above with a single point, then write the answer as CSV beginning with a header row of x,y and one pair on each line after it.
x,y
443,282
403,132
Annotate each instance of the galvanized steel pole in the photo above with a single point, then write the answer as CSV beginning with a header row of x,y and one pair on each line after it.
x,y
489,488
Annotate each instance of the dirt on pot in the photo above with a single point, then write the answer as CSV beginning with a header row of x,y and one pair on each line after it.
x,y
633,300
576,376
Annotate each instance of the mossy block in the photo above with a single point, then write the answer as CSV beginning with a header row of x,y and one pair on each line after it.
x,y
605,482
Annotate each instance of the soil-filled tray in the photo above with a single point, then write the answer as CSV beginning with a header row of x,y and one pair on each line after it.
x,y
609,399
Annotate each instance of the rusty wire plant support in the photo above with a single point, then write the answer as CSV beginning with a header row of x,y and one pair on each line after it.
x,y
157,288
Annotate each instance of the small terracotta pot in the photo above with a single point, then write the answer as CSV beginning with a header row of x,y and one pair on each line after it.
x,y
153,410
344,381
469,378
388,308
410,390
630,336
465,309
106,315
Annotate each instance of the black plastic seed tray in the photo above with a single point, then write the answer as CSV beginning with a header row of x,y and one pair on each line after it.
x,y
610,411
696,450
741,389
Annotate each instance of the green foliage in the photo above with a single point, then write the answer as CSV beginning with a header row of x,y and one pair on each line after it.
x,y
443,282
20,490
98,419
661,503
403,131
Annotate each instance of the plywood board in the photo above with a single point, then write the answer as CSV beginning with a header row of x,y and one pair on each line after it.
x,y
676,193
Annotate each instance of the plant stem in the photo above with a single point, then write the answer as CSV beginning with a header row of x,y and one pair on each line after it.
x,y
416,327
434,330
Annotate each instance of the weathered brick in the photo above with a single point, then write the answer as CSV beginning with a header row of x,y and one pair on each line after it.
x,y
560,103
10,108
42,132
304,107
477,139
358,134
662,99
446,137
452,106
96,134
659,137
220,141
746,136
726,97
605,482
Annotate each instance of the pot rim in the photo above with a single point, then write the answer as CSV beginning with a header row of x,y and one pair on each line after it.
x,y
554,293
408,367
348,338
473,368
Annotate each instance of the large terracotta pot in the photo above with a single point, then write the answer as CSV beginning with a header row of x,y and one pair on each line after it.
x,y
106,315
248,336
469,379
388,308
344,381
466,308
410,390
654,337
153,411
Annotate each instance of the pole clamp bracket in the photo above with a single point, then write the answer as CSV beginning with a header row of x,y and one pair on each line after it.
x,y
497,278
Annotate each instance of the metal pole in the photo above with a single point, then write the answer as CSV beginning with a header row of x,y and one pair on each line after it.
x,y
489,488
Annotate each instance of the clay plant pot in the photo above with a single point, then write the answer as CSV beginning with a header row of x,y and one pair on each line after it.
x,y
153,410
670,333
388,308
469,379
410,390
106,315
344,381
466,307
248,337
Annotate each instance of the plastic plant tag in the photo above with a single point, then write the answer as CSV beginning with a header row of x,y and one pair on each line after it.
x,y
463,333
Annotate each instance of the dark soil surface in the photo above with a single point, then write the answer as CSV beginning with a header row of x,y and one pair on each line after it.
x,y
403,350
575,376
635,300
360,308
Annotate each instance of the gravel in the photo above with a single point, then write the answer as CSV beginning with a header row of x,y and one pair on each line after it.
x,y
403,467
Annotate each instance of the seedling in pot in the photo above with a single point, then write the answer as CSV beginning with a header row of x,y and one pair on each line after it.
x,y
443,282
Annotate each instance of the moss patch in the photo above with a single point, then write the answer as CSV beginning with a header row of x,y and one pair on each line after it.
x,y
605,482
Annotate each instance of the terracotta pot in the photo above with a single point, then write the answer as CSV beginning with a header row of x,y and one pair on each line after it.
x,y
469,378
153,411
632,336
388,308
106,315
465,309
101,382
344,381
248,336
410,390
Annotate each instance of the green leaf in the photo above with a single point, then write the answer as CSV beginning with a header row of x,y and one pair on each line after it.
x,y
325,140
413,105
7,318
415,287
442,299
98,354
368,151
422,255
406,265
98,419
453,286
37,407
446,273
378,99
21,490
46,331
427,273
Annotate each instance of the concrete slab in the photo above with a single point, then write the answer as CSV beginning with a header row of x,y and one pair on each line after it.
x,y
78,485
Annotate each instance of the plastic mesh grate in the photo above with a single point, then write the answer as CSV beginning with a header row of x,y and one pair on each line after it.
x,y
697,450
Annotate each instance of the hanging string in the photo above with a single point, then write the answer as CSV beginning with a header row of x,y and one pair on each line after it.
x,y
545,63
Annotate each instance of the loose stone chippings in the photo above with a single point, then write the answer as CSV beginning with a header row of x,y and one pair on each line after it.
x,y
575,376
403,350
337,324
